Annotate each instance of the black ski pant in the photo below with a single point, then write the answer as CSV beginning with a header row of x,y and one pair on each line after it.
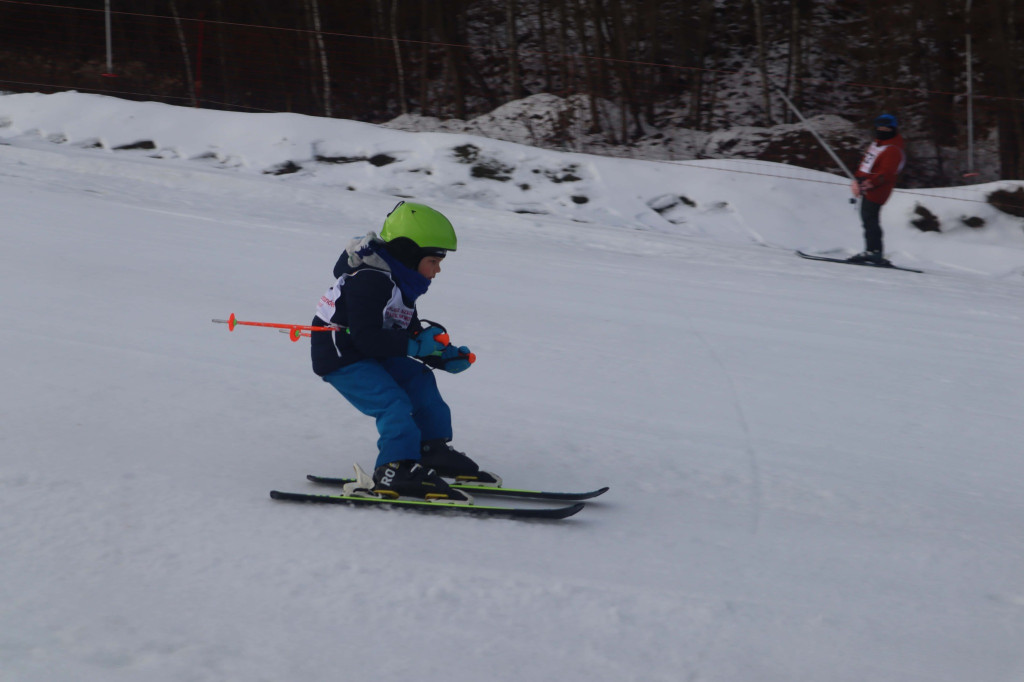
x,y
869,216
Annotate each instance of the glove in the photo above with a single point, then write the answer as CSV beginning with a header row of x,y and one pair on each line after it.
x,y
456,360
427,342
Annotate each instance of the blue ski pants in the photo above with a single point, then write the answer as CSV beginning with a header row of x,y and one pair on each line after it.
x,y
870,217
402,395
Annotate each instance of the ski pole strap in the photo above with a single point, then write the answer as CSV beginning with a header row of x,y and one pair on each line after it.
x,y
441,338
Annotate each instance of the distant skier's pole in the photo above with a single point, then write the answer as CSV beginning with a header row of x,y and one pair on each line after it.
x,y
821,141
294,330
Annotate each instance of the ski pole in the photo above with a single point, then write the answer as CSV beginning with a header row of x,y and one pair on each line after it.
x,y
297,331
294,330
819,138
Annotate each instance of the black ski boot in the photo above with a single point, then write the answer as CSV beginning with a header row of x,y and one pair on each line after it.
x,y
868,257
411,479
451,463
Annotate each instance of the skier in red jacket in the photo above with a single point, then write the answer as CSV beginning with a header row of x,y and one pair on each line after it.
x,y
876,177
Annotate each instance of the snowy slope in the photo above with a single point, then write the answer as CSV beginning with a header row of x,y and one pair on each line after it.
x,y
816,468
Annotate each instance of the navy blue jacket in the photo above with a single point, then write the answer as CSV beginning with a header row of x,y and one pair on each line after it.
x,y
368,303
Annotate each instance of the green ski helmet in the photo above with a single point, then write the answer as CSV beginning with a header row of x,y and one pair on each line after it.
x,y
424,226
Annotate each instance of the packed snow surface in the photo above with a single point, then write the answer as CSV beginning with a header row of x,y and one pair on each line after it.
x,y
815,469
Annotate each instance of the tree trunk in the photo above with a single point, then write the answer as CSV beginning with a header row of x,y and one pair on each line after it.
x,y
588,70
425,24
1006,52
313,7
647,23
704,25
399,69
227,80
794,63
565,68
762,63
545,57
515,86
617,27
189,80
449,35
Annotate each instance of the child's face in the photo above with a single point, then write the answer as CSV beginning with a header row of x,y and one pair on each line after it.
x,y
430,266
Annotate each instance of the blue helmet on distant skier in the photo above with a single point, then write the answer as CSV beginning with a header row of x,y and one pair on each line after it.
x,y
887,121
887,127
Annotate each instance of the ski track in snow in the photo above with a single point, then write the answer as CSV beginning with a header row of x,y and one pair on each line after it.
x,y
741,419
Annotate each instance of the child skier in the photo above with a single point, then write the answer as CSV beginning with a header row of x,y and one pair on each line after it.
x,y
876,176
381,358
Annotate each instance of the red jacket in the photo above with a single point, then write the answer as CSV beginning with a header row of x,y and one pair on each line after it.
x,y
880,167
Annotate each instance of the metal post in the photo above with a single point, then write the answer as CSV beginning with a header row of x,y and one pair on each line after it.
x,y
198,81
970,100
110,52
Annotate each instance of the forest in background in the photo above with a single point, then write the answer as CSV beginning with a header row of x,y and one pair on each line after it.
x,y
696,64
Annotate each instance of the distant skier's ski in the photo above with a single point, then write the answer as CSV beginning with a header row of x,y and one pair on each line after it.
x,y
434,507
490,491
887,265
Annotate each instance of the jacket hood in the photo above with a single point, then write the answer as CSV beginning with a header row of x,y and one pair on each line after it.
x,y
362,251
370,251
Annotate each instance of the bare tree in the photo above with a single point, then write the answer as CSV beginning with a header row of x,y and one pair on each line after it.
x,y
449,34
1005,54
189,79
545,57
795,56
588,67
706,14
762,62
313,10
565,62
396,47
424,58
515,84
